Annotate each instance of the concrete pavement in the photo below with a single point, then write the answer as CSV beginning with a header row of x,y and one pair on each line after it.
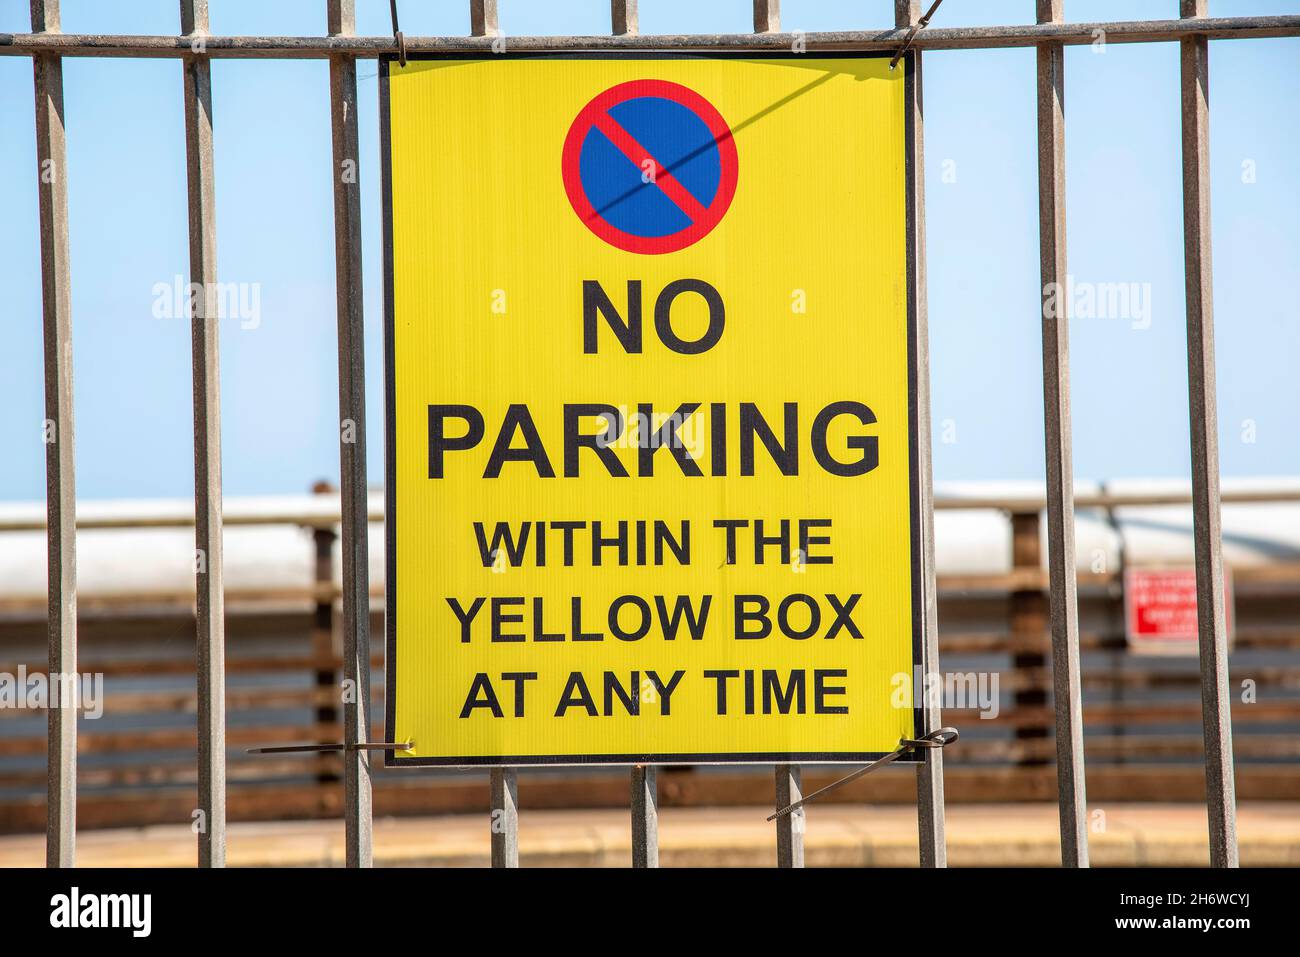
x,y
845,835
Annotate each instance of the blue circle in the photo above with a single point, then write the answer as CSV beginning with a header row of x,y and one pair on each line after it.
x,y
679,141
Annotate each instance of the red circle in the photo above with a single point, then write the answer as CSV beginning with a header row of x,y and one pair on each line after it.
x,y
583,124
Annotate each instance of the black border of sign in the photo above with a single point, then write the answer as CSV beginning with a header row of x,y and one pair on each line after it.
x,y
390,485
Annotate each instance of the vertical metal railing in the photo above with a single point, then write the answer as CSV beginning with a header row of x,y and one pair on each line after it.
x,y
60,446
206,338
1062,574
1216,714
644,783
645,816
788,779
504,790
767,16
503,783
623,18
346,174
789,827
931,828
483,20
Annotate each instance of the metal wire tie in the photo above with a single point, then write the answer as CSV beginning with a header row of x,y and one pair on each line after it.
x,y
907,40
397,34
935,739
359,746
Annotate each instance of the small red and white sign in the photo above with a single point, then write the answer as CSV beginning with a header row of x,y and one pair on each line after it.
x,y
1160,609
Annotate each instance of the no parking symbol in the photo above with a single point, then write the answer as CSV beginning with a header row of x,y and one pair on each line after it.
x,y
650,166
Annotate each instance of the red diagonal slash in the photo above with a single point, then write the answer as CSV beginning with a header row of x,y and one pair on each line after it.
x,y
638,154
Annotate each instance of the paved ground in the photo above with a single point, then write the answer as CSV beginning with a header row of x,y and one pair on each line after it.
x,y
837,835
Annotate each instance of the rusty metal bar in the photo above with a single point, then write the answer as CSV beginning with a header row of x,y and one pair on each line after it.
x,y
645,780
504,787
504,781
1064,607
483,20
60,445
929,776
206,339
931,38
789,827
623,18
645,816
767,16
354,497
1216,716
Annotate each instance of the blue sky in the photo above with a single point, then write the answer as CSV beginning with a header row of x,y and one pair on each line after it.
x,y
275,212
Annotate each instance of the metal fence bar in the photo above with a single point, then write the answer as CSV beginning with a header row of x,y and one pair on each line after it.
x,y
1220,789
645,778
352,441
504,784
206,339
623,18
789,827
1064,607
483,19
645,816
929,775
931,38
60,446
767,16
504,789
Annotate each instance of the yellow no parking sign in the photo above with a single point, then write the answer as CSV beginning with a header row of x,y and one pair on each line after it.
x,y
651,410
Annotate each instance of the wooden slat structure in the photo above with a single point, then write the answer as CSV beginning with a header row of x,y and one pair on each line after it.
x,y
1141,715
